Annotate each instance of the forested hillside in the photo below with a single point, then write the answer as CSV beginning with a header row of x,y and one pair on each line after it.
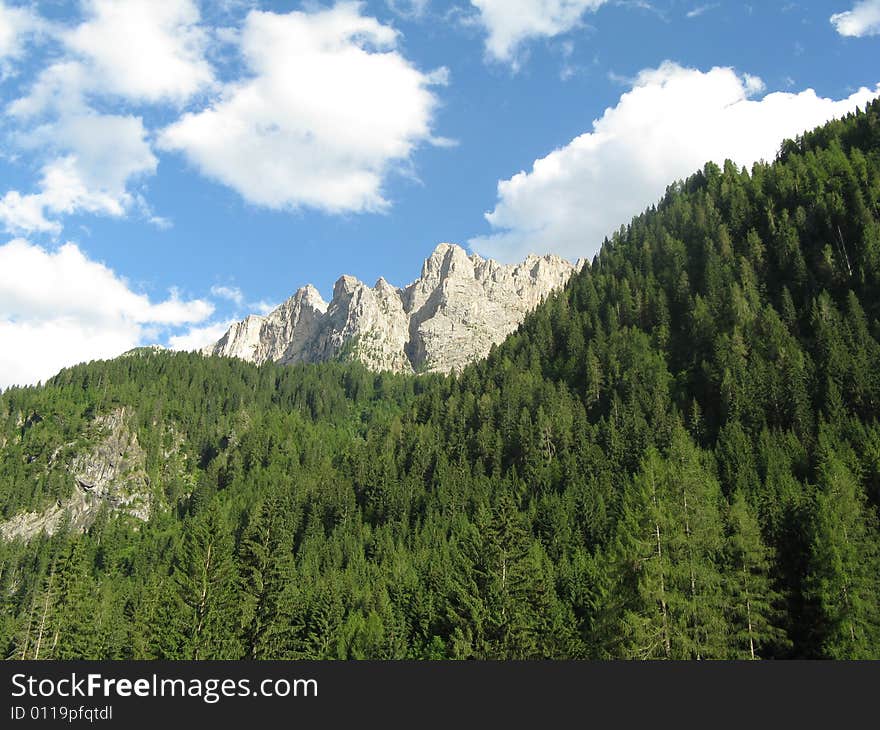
x,y
676,457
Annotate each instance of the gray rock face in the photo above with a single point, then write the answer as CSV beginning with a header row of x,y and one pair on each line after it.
x,y
450,316
280,336
109,474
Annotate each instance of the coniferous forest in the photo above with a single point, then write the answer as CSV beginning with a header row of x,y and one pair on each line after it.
x,y
678,456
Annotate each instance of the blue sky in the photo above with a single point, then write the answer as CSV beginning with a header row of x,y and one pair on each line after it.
x,y
170,165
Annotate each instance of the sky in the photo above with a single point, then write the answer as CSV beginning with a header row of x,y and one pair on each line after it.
x,y
170,166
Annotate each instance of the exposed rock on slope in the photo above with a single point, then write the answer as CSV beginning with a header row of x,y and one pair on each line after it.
x,y
109,474
451,315
279,336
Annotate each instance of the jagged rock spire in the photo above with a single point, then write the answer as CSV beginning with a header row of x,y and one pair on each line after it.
x,y
451,315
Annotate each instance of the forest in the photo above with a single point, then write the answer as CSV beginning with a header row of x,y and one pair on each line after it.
x,y
675,457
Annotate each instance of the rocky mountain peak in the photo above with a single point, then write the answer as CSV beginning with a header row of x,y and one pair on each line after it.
x,y
447,260
383,287
311,297
346,286
451,315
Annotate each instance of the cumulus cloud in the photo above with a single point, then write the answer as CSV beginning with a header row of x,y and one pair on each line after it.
x,y
16,25
26,213
93,159
35,351
59,88
198,337
510,23
667,126
263,307
143,50
58,308
324,109
329,108
862,20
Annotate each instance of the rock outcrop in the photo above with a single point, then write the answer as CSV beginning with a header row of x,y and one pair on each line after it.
x,y
280,336
110,474
451,315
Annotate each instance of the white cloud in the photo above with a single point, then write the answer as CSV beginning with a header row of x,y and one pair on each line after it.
x,y
510,23
60,308
753,84
93,159
143,50
58,89
149,51
667,126
34,351
232,293
16,25
329,108
198,337
862,20
26,213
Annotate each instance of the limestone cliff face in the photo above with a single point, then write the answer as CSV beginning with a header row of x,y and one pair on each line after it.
x,y
110,474
280,336
461,305
371,322
451,315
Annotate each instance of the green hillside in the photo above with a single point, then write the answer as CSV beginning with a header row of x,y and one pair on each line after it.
x,y
676,457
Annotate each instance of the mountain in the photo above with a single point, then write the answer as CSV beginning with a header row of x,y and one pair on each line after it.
x,y
676,456
458,308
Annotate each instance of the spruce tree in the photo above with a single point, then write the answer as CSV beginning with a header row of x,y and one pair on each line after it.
x,y
268,582
75,634
206,577
843,579
751,603
667,558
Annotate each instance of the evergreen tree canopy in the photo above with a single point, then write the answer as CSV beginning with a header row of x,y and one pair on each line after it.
x,y
675,457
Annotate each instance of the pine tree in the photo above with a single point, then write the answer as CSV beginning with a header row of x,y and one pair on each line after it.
x,y
751,603
696,496
268,582
542,502
75,634
467,609
29,640
205,575
510,624
844,566
638,603
667,558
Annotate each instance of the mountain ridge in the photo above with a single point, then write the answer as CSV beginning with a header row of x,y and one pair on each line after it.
x,y
452,314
